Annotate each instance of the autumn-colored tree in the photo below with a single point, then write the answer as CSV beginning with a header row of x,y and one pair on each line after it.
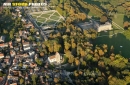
x,y
103,19
126,24
77,62
56,80
42,54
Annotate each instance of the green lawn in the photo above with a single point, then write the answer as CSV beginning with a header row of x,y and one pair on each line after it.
x,y
34,16
117,41
39,23
54,17
51,22
56,14
110,32
41,19
49,13
119,19
60,20
45,15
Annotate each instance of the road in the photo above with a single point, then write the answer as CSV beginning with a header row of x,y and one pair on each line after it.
x,y
68,77
35,24
8,71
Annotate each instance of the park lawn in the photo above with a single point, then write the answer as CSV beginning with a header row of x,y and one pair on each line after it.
x,y
50,22
117,41
49,13
39,19
34,16
119,19
45,15
56,14
54,17
110,32
39,23
61,20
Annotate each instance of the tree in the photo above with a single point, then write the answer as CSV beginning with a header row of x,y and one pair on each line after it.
x,y
120,9
39,62
1,74
21,80
103,19
42,54
56,80
34,79
5,31
67,45
20,64
126,24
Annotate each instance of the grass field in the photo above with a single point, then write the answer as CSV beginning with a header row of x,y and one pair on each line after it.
x,y
119,19
41,19
47,17
56,14
117,41
51,22
54,17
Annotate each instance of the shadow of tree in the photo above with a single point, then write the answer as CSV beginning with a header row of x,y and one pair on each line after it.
x,y
119,41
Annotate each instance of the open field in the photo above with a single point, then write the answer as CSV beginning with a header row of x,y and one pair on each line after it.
x,y
119,19
47,17
117,41
54,17
41,19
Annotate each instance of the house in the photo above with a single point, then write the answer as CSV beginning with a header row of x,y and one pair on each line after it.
x,y
25,55
31,71
15,61
18,39
32,65
1,55
26,77
55,58
12,53
36,68
20,33
1,68
31,53
10,44
26,43
17,10
7,56
41,79
1,80
26,48
29,25
23,20
29,60
2,39
14,84
7,61
3,65
10,77
3,45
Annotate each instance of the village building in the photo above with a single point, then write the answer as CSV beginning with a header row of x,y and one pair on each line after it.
x,y
1,55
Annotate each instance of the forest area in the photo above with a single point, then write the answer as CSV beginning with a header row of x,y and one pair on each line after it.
x,y
98,65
